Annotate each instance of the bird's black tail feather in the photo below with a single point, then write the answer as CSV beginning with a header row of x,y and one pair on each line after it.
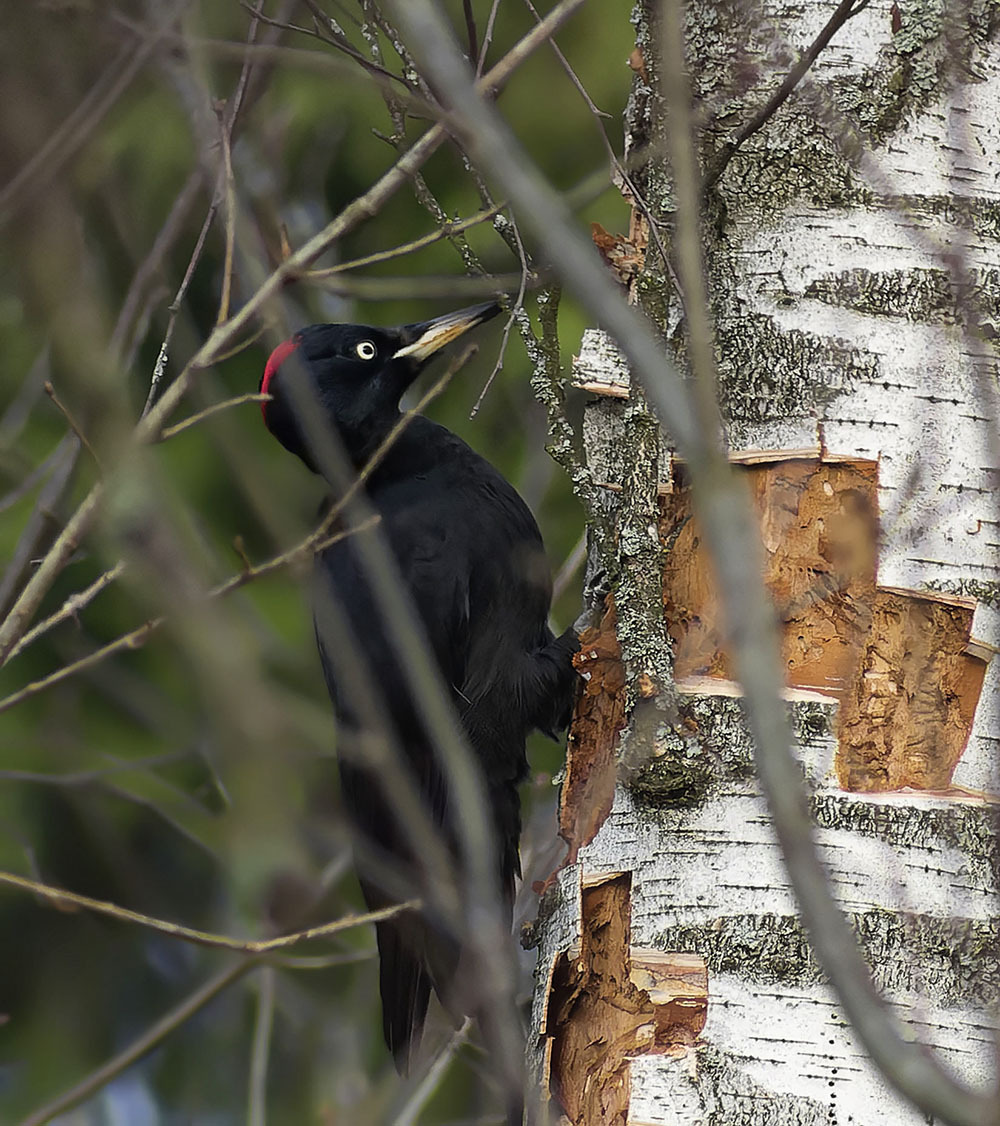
x,y
405,988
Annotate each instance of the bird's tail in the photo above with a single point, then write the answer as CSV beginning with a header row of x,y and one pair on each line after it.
x,y
405,988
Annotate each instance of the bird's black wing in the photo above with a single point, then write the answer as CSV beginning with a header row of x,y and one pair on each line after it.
x,y
370,690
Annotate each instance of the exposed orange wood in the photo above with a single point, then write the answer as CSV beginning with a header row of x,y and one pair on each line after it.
x,y
608,1003
908,716
589,788
900,662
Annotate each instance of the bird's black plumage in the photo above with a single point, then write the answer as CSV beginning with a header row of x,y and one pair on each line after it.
x,y
470,556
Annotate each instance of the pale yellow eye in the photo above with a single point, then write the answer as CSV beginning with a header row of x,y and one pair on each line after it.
x,y
365,350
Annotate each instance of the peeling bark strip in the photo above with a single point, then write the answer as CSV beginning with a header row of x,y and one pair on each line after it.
x,y
591,767
608,1003
896,660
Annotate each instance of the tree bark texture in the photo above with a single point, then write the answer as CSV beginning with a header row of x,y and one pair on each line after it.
x,y
853,255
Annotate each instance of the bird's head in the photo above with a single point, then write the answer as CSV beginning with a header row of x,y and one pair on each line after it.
x,y
354,377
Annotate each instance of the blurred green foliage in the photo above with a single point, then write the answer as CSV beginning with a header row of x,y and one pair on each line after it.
x,y
192,778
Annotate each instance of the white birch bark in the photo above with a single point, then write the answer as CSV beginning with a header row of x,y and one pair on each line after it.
x,y
855,291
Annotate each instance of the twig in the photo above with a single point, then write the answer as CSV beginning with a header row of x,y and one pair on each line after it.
x,y
222,336
235,104
70,608
19,406
572,75
94,774
425,197
138,637
512,317
205,938
432,1080
215,408
55,559
160,367
31,479
460,288
448,228
44,515
71,421
373,13
319,962
240,346
229,195
167,1024
487,36
470,30
142,1044
348,48
227,121
842,13
260,1050
172,227
621,167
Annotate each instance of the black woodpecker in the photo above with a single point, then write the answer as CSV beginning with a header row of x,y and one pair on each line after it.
x,y
470,556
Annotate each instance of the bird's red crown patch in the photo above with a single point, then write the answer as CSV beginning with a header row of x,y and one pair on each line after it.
x,y
274,361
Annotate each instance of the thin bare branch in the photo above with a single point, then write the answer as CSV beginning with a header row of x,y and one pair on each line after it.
x,y
460,288
470,31
432,1080
227,115
163,356
841,14
621,168
203,938
215,408
18,409
229,196
450,227
51,566
143,1044
70,608
260,1051
31,480
138,637
71,421
487,36
342,43
512,317
169,233
166,1025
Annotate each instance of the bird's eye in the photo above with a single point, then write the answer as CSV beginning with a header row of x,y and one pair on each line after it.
x,y
365,350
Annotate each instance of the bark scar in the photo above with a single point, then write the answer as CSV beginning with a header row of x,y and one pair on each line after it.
x,y
591,764
900,662
608,1003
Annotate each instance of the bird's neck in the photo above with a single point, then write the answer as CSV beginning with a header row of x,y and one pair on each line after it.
x,y
421,446
362,440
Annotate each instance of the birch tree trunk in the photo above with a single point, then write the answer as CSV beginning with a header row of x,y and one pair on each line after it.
x,y
853,247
